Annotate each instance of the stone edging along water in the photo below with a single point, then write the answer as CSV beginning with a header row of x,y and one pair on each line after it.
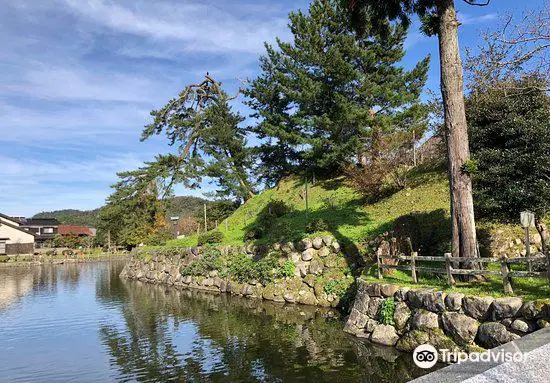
x,y
318,262
384,313
447,321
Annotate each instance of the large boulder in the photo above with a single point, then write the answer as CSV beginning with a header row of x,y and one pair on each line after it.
x,y
384,334
460,327
362,303
522,326
317,242
327,239
411,340
401,294
494,334
316,267
477,307
507,307
424,320
374,307
388,290
427,299
453,301
323,252
304,244
536,309
308,254
401,315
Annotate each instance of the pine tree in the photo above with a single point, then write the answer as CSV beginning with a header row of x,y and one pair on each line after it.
x,y
318,96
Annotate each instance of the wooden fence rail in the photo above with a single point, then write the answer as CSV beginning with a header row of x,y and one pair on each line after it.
x,y
452,267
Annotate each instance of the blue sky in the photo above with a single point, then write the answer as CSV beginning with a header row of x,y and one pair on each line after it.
x,y
78,79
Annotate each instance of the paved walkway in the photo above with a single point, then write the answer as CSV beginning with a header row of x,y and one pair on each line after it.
x,y
535,368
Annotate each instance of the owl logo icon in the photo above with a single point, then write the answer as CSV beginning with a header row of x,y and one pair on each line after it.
x,y
425,356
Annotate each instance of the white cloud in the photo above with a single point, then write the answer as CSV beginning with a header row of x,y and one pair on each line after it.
x,y
467,19
202,27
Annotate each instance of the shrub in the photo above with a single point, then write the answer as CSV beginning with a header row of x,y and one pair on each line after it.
x,y
316,225
242,268
287,269
335,287
278,208
208,262
210,237
387,310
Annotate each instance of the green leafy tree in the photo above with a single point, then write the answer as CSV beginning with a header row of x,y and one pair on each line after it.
x,y
205,131
439,18
132,217
318,97
509,126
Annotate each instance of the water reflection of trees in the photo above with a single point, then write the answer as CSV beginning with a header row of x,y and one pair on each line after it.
x,y
192,336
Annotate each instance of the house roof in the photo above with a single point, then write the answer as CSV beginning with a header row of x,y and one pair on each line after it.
x,y
78,230
39,222
16,228
15,220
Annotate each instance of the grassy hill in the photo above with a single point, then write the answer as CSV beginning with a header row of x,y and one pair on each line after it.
x,y
349,218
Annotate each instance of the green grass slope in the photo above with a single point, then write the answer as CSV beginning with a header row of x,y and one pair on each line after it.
x,y
349,218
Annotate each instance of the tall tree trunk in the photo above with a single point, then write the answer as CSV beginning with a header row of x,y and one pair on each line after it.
x,y
463,224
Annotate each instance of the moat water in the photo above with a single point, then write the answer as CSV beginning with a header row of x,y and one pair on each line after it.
x,y
82,323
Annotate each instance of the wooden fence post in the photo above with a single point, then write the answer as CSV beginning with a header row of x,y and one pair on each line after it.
x,y
413,266
506,279
450,278
378,268
409,245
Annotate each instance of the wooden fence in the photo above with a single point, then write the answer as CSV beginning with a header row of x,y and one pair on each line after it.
x,y
450,270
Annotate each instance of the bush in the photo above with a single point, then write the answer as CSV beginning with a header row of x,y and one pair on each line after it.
x,y
316,225
287,269
209,261
278,208
210,237
242,268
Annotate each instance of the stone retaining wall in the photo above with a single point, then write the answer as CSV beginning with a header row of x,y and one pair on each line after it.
x,y
450,321
318,261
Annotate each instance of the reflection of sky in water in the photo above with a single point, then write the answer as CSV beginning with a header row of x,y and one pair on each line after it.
x,y
83,323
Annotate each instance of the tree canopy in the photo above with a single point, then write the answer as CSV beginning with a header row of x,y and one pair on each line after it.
x,y
318,96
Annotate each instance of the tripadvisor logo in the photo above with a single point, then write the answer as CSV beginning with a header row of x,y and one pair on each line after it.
x,y
425,356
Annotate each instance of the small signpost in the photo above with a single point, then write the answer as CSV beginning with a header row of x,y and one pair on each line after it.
x,y
527,220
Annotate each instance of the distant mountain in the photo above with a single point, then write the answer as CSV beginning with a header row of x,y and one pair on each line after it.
x,y
183,206
72,216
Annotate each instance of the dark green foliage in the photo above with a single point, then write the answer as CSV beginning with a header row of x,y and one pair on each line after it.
x,y
430,232
336,287
205,133
72,217
267,220
317,225
277,208
210,238
316,97
287,269
243,268
210,261
216,211
510,130
185,206
387,310
133,216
